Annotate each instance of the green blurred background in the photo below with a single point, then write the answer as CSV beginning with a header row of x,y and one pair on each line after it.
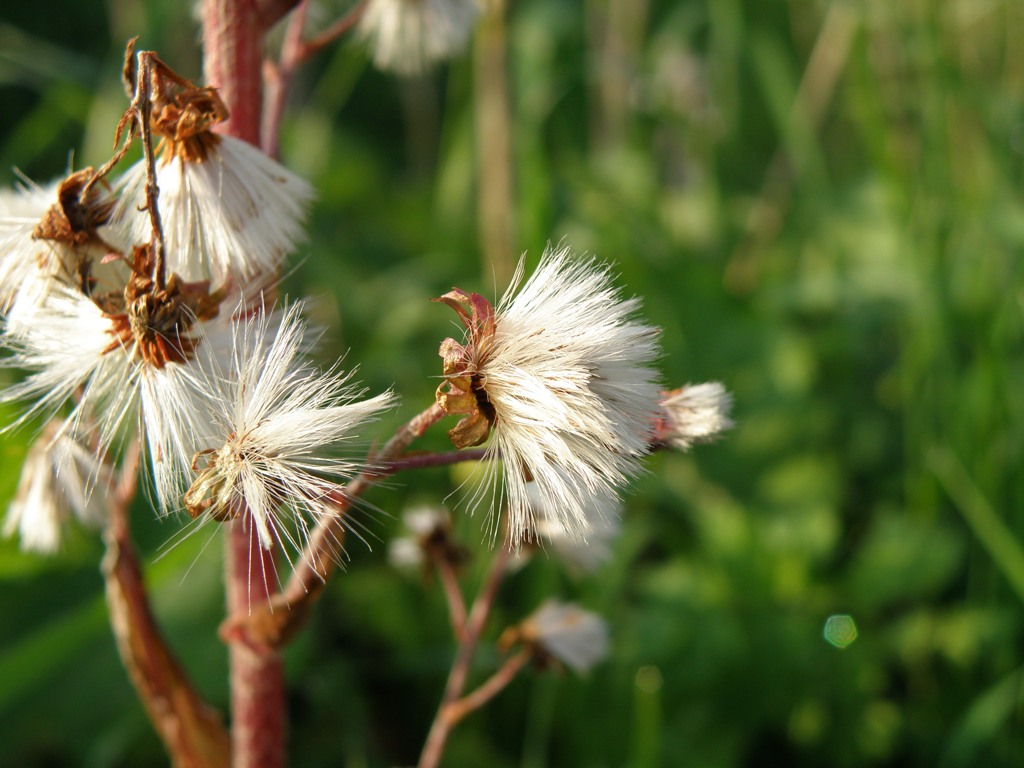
x,y
820,203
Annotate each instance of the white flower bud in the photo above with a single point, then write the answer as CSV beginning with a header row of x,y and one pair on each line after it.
x,y
695,413
568,633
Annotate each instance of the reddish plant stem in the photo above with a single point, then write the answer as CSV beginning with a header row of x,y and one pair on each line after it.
x,y
443,723
335,30
190,729
294,51
233,52
453,595
319,561
258,731
278,79
494,685
272,11
426,460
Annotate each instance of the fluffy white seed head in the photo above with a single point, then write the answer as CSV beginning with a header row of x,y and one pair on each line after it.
x,y
76,355
575,637
233,215
574,400
176,414
61,340
57,484
34,257
26,202
282,429
407,36
695,413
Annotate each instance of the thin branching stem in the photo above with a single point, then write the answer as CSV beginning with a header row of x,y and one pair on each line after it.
x,y
272,11
277,80
443,723
453,594
490,688
318,561
127,126
427,460
295,50
108,166
137,122
335,30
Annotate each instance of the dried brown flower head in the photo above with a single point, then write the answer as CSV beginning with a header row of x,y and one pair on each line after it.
x,y
154,320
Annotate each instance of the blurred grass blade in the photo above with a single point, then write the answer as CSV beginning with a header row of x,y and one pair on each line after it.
x,y
779,87
987,714
993,534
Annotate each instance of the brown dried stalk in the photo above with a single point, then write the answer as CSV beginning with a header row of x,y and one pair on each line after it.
x,y
495,684
453,595
142,109
191,730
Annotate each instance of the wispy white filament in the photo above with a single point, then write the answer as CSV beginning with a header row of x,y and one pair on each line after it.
x,y
604,524
61,340
21,257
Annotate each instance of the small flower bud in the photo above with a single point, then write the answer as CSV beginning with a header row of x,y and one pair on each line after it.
x,y
695,413
430,538
563,633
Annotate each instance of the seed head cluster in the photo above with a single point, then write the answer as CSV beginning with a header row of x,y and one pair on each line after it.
x,y
127,319
141,306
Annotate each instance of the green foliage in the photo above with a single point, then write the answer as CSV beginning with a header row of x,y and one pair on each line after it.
x,y
820,204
